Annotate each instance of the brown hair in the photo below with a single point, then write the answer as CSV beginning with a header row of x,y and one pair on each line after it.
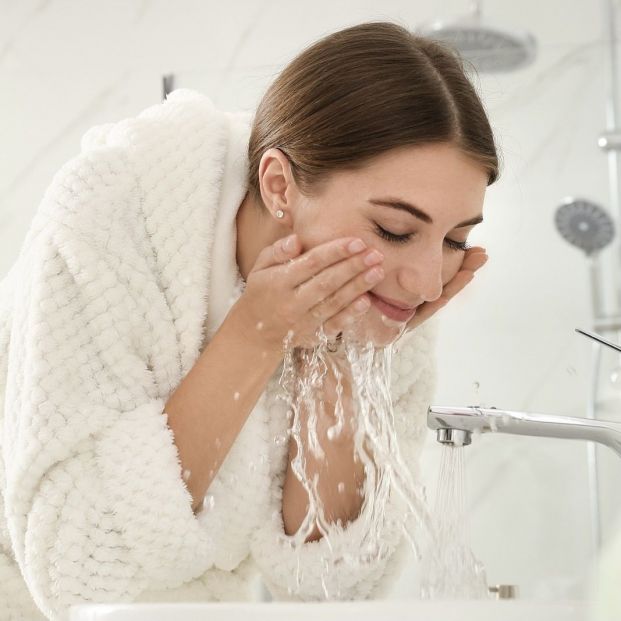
x,y
364,90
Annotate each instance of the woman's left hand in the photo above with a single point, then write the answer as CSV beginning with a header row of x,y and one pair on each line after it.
x,y
474,258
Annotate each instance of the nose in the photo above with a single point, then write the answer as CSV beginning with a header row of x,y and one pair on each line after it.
x,y
422,279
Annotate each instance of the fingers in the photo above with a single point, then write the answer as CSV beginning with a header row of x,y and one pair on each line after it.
x,y
347,316
281,251
328,284
474,259
317,259
310,263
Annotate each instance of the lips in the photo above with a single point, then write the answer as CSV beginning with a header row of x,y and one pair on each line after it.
x,y
390,308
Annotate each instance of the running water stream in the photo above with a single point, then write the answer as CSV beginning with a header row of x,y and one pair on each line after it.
x,y
452,571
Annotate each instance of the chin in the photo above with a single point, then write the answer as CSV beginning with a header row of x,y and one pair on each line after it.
x,y
377,328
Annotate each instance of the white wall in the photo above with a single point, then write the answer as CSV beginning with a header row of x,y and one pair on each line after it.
x,y
68,65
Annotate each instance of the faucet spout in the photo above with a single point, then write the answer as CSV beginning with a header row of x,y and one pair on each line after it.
x,y
473,419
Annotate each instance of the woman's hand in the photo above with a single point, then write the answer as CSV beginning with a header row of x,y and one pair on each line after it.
x,y
474,258
288,291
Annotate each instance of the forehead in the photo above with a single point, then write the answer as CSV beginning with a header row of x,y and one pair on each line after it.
x,y
435,176
427,165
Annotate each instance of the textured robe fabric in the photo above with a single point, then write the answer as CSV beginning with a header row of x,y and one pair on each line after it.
x,y
126,271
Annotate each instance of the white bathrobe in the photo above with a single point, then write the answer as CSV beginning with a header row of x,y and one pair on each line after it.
x,y
127,269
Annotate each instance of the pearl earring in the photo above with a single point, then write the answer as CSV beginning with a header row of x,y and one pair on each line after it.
x,y
280,213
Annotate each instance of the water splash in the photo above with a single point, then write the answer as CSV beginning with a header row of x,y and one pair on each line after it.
x,y
208,502
477,395
366,417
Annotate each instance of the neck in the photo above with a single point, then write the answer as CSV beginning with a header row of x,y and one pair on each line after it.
x,y
256,229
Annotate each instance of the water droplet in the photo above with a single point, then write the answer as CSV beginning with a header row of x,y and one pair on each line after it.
x,y
236,396
259,325
280,439
208,502
332,432
186,474
341,487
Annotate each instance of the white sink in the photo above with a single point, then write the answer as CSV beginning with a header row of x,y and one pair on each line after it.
x,y
410,610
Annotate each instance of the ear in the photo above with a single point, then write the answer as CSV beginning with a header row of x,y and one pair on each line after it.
x,y
278,188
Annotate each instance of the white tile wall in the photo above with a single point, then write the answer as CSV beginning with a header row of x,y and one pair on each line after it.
x,y
66,66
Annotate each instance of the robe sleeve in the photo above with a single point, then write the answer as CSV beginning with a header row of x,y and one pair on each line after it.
x,y
96,507
320,570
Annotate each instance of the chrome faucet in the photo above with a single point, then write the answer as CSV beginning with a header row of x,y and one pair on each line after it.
x,y
455,425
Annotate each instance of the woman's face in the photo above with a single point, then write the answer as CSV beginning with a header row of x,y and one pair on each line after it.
x,y
421,252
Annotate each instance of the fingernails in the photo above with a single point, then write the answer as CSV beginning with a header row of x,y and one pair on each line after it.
x,y
482,261
362,304
356,246
374,275
373,257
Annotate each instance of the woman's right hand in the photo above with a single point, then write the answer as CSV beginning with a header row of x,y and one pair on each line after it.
x,y
288,291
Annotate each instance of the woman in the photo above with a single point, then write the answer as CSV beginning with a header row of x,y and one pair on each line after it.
x,y
146,452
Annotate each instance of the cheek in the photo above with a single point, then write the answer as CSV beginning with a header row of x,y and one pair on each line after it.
x,y
372,327
452,264
317,233
394,262
310,238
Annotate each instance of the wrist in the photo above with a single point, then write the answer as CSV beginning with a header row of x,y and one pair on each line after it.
x,y
242,325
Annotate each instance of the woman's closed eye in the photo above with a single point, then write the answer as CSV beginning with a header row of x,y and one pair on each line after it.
x,y
402,239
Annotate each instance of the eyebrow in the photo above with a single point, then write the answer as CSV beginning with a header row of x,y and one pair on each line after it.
x,y
397,203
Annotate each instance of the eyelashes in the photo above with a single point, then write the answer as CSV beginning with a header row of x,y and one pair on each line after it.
x,y
402,239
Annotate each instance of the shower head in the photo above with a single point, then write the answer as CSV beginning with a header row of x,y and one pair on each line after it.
x,y
584,224
491,49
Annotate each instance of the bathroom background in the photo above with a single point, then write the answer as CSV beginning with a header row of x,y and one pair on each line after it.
x,y
507,340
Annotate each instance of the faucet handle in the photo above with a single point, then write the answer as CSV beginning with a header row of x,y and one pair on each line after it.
x,y
504,591
597,337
